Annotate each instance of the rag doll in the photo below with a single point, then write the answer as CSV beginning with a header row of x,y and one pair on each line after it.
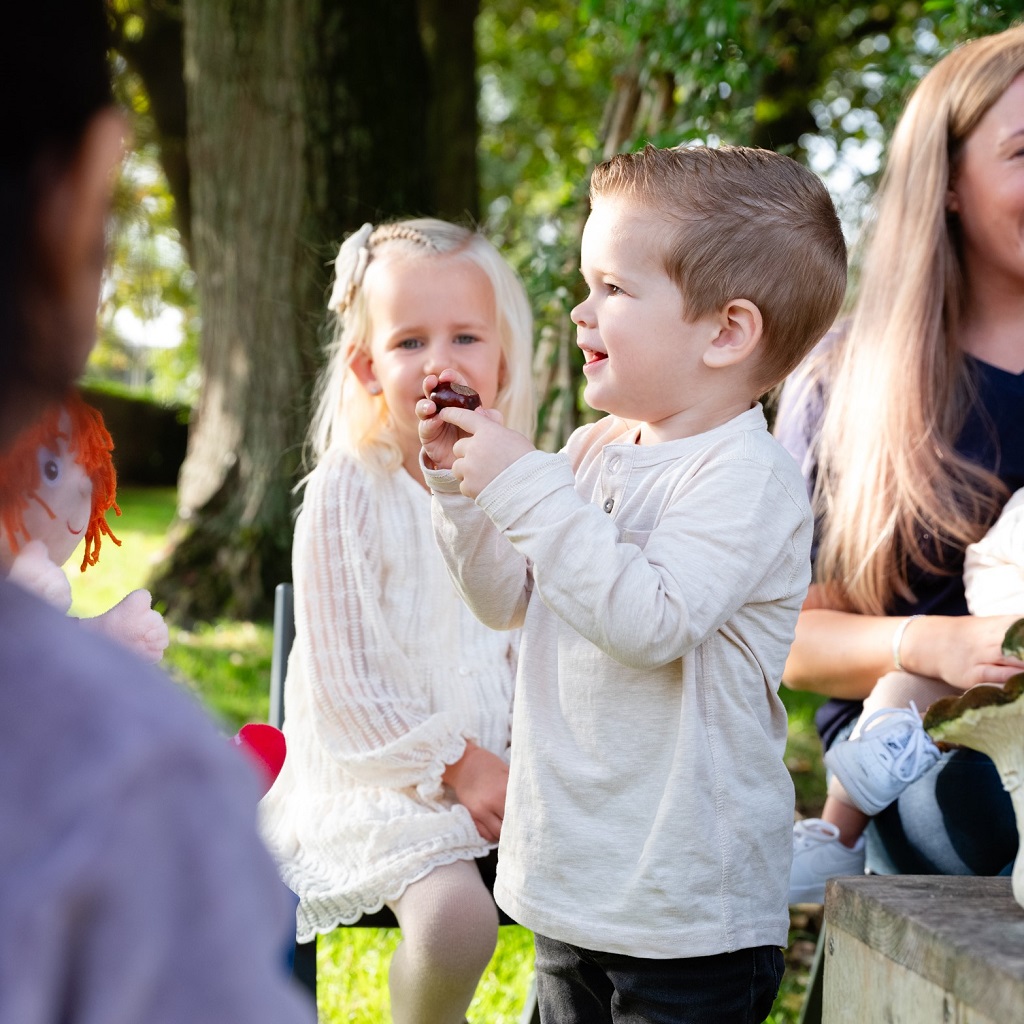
x,y
57,483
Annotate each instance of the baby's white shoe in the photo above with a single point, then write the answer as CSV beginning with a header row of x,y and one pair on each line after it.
x,y
819,855
891,752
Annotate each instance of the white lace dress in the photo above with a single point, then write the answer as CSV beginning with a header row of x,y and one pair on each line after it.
x,y
388,677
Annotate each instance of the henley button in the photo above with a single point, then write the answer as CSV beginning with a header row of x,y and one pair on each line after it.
x,y
609,504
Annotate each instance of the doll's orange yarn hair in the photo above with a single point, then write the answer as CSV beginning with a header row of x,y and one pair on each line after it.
x,y
89,441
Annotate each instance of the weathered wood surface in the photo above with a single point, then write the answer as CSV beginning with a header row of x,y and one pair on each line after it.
x,y
920,948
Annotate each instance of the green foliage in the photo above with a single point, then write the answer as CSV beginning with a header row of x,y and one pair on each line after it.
x,y
542,101
352,972
148,280
803,751
563,87
227,665
1013,642
120,569
541,104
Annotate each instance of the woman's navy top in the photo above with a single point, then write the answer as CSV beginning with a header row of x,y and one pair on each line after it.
x,y
992,436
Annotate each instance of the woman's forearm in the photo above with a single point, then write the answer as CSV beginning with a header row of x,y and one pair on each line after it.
x,y
839,654
842,654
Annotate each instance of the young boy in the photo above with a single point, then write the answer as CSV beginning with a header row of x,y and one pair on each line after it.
x,y
657,565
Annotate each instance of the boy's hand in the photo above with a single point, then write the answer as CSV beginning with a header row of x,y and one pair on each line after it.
x,y
480,780
485,448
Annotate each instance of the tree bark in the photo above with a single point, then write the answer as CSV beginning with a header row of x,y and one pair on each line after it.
x,y
453,130
246,141
305,118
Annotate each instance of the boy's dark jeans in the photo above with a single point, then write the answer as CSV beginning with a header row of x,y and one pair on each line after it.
x,y
581,986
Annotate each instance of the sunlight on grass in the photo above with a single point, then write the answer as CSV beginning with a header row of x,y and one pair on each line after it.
x,y
228,665
352,977
803,751
142,531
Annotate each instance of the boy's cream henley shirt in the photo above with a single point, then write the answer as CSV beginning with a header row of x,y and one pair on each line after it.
x,y
649,809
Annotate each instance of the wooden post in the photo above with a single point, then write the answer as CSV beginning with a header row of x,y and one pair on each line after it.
x,y
917,948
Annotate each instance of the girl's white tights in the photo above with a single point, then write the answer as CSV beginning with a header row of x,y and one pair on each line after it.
x,y
449,930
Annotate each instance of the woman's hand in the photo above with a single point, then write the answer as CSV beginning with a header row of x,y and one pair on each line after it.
x,y
842,654
962,650
480,780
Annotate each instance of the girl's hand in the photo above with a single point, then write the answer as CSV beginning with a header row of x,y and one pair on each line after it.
x,y
962,650
436,436
480,780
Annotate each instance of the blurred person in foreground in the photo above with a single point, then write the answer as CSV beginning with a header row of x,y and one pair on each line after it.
x,y
133,886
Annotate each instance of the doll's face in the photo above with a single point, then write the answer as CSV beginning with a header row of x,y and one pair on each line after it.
x,y
66,491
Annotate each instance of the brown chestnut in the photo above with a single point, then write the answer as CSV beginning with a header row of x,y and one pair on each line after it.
x,y
457,396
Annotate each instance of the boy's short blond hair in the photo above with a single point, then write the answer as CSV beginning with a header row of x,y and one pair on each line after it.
x,y
742,223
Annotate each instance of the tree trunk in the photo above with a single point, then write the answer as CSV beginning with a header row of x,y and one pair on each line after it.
x,y
447,29
367,97
306,118
246,141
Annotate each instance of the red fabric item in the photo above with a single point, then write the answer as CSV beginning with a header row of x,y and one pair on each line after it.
x,y
266,746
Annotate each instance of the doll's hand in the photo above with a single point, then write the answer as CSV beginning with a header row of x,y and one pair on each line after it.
x,y
486,448
134,623
34,571
480,780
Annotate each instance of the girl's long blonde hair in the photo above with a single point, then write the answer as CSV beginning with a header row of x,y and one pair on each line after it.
x,y
892,490
345,415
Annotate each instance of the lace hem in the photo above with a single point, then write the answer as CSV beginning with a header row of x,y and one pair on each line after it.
x,y
431,787
307,928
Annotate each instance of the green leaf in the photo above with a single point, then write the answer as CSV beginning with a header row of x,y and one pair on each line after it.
x,y
1013,642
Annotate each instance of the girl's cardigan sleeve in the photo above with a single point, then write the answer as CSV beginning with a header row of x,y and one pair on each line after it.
x,y
371,709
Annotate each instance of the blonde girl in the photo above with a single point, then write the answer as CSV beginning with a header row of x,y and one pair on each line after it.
x,y
909,429
397,701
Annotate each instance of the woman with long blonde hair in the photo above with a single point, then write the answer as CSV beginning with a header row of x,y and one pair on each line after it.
x,y
909,424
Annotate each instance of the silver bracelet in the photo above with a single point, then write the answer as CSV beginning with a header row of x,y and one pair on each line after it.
x,y
897,641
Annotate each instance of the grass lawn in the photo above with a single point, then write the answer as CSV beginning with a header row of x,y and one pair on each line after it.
x,y
227,664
